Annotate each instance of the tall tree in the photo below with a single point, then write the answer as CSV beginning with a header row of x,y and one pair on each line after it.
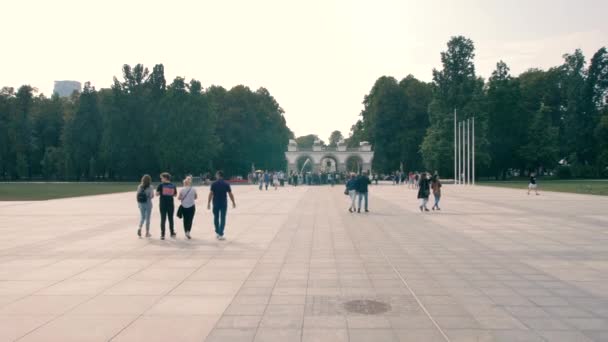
x,y
334,138
455,87
506,122
82,136
306,141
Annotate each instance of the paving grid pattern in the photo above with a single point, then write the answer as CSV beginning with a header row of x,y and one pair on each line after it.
x,y
494,265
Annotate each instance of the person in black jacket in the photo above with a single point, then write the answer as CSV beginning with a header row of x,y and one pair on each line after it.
x,y
424,191
362,189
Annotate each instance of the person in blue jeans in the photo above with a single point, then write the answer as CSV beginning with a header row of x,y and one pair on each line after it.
x,y
362,189
220,190
145,193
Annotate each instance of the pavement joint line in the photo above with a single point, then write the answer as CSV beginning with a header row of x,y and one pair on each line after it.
x,y
293,237
89,299
415,296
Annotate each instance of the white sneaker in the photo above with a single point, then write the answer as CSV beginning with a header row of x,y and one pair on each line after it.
x,y
188,236
221,237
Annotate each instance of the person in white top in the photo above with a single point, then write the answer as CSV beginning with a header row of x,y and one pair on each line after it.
x,y
275,180
188,196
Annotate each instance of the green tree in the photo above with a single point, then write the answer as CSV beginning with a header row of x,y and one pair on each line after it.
x,y
20,132
418,96
306,141
455,87
334,138
383,119
82,134
507,124
541,148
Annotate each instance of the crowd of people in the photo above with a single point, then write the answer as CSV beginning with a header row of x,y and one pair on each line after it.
x,y
219,193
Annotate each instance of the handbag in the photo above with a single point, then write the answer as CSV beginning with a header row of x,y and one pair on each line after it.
x,y
180,210
346,191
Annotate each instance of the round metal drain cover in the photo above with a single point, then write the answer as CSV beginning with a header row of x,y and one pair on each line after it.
x,y
367,307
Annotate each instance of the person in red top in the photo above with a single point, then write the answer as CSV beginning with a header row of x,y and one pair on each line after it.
x,y
166,191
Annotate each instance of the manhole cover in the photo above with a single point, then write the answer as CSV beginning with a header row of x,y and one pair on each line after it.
x,y
367,307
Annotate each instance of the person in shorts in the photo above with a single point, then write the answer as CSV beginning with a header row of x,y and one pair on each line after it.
x,y
533,185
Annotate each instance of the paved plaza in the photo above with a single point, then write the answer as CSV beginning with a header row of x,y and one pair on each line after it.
x,y
494,265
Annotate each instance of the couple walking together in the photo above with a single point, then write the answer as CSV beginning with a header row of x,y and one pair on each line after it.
x,y
219,192
357,187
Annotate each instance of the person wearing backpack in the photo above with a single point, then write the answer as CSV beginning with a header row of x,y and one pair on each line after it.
x,y
187,196
144,196
166,191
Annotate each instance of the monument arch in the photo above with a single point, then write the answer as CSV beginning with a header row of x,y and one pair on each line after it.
x,y
329,159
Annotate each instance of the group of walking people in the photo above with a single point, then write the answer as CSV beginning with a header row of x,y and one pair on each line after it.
x,y
357,187
426,185
166,191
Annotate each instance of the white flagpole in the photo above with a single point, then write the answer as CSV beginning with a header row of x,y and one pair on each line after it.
x,y
455,149
473,147
469,151
459,152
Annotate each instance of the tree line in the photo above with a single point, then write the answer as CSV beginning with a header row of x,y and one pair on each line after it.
x,y
139,125
555,119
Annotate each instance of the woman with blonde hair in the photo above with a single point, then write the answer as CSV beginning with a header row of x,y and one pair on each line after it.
x,y
187,209
144,196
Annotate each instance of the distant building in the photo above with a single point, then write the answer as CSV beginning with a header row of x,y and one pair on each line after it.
x,y
66,88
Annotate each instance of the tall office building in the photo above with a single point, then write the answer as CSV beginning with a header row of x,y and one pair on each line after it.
x,y
66,88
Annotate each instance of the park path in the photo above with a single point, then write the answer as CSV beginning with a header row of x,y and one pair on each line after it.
x,y
495,264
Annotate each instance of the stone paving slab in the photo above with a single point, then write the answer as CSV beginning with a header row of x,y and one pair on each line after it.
x,y
493,265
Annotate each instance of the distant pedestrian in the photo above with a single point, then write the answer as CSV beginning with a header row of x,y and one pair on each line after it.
x,y
351,191
261,181
275,180
166,191
362,190
266,179
188,197
219,192
423,191
533,185
436,187
145,193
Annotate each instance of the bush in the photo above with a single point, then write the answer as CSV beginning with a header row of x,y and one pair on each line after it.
x,y
584,171
564,172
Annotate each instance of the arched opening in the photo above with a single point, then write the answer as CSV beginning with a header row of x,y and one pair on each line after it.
x,y
304,164
354,163
329,163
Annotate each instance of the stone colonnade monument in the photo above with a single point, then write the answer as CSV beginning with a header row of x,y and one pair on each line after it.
x,y
322,158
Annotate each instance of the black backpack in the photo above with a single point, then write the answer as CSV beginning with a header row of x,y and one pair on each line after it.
x,y
142,196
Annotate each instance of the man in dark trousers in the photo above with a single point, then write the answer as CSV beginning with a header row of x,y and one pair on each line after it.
x,y
166,191
362,189
220,190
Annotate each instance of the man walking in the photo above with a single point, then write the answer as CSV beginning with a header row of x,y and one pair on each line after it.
x,y
220,189
362,185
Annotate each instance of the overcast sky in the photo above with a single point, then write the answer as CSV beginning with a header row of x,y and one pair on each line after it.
x,y
317,58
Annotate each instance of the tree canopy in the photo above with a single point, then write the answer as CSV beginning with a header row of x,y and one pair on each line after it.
x,y
142,124
532,121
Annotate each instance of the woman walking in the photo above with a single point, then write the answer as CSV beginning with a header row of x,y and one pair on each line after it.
x,y
436,187
423,191
145,193
351,190
188,196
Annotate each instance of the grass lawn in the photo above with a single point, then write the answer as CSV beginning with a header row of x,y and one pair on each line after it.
x,y
44,191
587,186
